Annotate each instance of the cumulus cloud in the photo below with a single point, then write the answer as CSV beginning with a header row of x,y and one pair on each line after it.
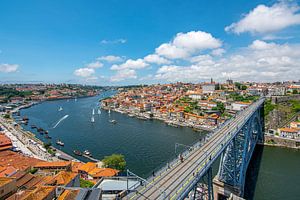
x,y
260,61
94,65
116,41
111,58
218,52
264,19
84,72
153,58
185,44
8,68
131,64
124,74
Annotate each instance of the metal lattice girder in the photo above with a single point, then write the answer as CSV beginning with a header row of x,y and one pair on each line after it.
x,y
203,190
236,157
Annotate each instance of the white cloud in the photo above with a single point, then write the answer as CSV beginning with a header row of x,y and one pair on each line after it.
x,y
276,37
124,74
94,65
218,52
117,41
260,61
185,44
196,40
131,64
84,72
261,45
111,58
171,51
8,68
264,19
153,58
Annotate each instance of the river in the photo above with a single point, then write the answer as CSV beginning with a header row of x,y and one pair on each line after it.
x,y
273,174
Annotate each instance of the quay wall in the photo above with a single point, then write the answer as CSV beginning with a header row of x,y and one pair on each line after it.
x,y
271,140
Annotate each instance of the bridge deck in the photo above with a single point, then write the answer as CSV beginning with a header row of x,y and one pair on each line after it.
x,y
171,183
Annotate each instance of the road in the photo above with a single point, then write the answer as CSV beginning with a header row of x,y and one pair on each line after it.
x,y
172,182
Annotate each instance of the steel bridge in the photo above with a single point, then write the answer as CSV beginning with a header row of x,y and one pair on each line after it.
x,y
233,142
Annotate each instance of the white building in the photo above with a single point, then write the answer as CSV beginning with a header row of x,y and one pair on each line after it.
x,y
239,105
208,88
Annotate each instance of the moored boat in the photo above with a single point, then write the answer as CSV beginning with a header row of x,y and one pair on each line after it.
x,y
33,126
60,143
77,152
86,152
48,137
113,121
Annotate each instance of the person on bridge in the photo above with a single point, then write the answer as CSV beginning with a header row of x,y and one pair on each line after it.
x,y
181,157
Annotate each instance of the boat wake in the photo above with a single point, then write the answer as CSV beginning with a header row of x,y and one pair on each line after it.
x,y
63,118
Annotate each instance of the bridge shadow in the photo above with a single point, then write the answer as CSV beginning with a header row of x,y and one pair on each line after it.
x,y
252,172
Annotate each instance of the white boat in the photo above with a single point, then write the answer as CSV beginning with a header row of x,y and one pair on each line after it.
x,y
60,109
60,143
93,112
113,121
86,152
99,111
92,119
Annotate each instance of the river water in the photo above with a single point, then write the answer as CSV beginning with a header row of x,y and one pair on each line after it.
x,y
147,145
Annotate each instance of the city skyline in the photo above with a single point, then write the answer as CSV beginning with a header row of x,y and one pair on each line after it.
x,y
133,42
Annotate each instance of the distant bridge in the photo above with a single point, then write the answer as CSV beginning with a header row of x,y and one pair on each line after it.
x,y
234,142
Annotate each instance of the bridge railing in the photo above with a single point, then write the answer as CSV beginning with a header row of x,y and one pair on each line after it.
x,y
214,155
174,161
162,169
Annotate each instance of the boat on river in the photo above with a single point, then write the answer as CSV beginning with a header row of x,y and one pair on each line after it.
x,y
113,121
77,152
60,143
87,153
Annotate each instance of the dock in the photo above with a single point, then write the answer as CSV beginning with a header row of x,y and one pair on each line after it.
x,y
91,158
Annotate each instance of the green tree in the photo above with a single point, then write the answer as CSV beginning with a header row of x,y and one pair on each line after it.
x,y
86,183
243,87
115,161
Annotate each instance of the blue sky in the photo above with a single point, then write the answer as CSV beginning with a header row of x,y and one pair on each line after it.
x,y
107,42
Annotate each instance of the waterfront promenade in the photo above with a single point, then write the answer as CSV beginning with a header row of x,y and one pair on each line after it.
x,y
25,141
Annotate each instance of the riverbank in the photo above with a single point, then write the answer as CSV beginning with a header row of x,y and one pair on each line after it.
x,y
26,142
173,123
271,140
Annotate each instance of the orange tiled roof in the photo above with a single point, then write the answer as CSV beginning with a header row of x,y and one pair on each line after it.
x,y
103,172
45,164
16,160
7,171
290,130
68,195
76,166
62,178
40,193
5,180
87,167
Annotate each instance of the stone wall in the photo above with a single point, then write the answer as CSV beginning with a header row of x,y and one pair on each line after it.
x,y
283,142
279,99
